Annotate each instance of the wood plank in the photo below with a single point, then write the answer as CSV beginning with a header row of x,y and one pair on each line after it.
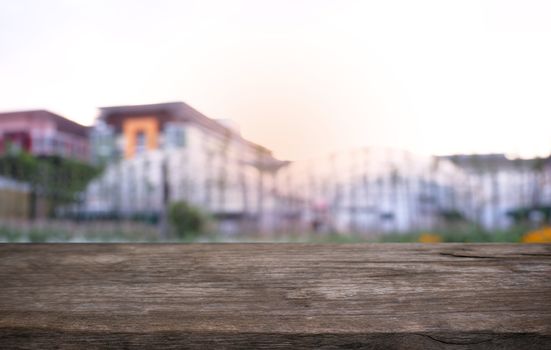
x,y
360,296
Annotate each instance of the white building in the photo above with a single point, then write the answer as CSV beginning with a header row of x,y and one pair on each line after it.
x,y
371,190
156,154
497,187
170,152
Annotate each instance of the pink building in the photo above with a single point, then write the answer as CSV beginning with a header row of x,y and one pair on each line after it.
x,y
43,133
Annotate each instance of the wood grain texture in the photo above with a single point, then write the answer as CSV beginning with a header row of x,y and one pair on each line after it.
x,y
275,296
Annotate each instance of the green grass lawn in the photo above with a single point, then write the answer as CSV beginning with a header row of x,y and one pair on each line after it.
x,y
144,233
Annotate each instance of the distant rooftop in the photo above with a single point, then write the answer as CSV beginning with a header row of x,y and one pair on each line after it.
x,y
494,161
62,123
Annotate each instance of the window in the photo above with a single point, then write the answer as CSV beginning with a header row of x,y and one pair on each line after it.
x,y
174,136
140,142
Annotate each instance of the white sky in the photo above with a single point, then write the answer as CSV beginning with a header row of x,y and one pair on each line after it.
x,y
300,77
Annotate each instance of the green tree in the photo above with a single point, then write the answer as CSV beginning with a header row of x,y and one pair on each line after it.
x,y
58,180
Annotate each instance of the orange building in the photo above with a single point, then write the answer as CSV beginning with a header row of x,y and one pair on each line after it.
x,y
140,134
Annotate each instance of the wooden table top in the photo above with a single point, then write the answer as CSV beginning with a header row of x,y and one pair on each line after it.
x,y
272,296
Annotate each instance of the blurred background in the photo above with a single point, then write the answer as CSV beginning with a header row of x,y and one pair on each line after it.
x,y
303,121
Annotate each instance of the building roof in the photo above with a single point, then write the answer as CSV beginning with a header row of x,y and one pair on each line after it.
x,y
62,124
172,111
494,161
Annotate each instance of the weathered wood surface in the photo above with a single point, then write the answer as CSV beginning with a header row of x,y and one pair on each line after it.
x,y
208,296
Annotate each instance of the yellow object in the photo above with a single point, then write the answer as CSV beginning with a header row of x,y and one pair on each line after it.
x,y
430,238
543,235
143,127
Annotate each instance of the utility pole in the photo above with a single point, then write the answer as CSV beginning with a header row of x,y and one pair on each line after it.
x,y
165,199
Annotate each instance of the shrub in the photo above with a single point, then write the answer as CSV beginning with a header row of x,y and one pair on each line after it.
x,y
452,216
186,220
9,235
